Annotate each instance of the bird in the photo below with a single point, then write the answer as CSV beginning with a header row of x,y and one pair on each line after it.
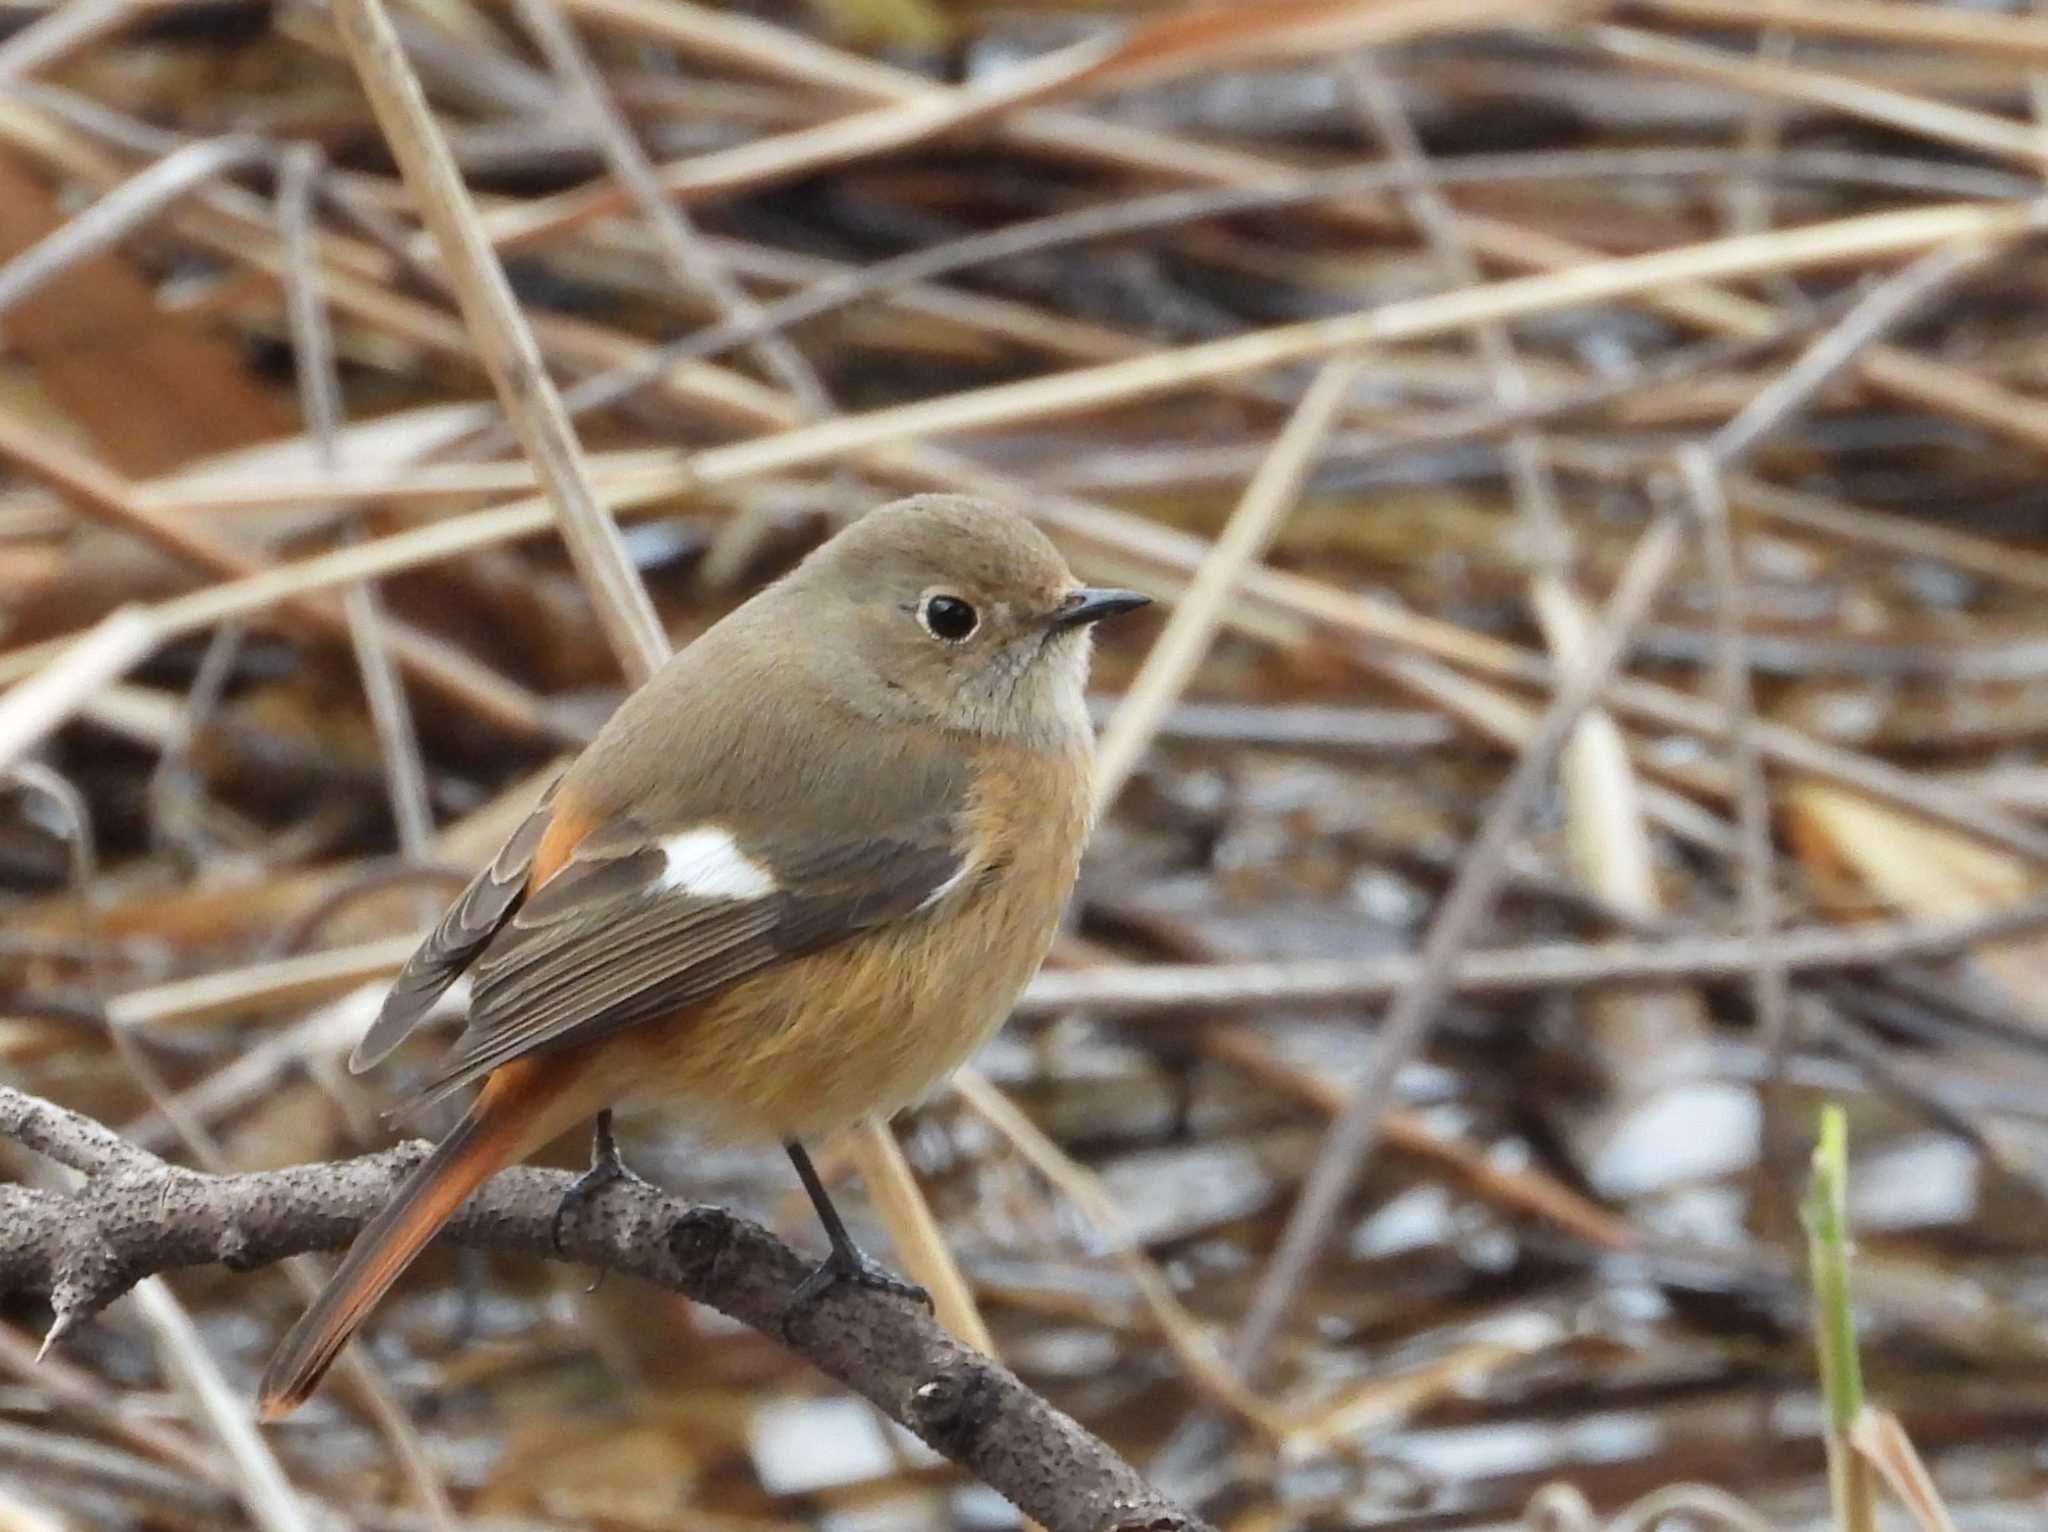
x,y
794,881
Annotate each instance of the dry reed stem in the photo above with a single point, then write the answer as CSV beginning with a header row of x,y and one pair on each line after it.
x,y
1756,877
319,387
104,495
1139,991
503,340
1198,610
1204,1368
783,54
41,703
2022,37
1936,121
900,1204
1638,1037
266,1494
1881,1439
60,32
1888,532
688,256
121,211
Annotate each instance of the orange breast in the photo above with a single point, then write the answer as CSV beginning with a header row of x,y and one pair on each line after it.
x,y
865,1028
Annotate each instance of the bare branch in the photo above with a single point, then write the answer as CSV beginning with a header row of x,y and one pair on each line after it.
x,y
138,1216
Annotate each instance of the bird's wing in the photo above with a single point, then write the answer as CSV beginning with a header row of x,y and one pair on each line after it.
x,y
637,925
475,916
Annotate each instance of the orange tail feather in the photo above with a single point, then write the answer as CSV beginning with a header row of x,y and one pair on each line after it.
x,y
505,1124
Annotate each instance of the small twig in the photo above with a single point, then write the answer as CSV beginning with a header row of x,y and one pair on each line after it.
x,y
69,1139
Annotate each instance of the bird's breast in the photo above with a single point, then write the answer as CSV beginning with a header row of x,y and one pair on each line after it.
x,y
868,1026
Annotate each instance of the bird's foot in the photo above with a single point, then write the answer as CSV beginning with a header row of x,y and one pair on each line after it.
x,y
850,1267
604,1169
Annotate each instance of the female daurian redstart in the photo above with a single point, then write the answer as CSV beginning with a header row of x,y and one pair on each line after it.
x,y
795,880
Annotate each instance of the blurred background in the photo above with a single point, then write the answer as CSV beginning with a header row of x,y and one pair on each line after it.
x,y
1386,343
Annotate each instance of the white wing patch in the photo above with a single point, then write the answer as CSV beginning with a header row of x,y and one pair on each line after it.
x,y
944,888
707,863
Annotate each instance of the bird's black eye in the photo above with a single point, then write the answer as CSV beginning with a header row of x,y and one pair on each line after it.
x,y
948,617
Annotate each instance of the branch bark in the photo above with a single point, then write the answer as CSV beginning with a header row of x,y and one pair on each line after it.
x,y
135,1215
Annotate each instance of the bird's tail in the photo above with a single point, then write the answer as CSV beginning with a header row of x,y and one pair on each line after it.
x,y
509,1120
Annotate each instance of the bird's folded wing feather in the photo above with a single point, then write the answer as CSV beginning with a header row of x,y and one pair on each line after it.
x,y
475,916
636,926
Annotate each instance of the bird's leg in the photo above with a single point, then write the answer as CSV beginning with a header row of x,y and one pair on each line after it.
x,y
605,1167
846,1263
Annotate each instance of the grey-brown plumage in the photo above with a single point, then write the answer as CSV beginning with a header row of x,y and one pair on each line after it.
x,y
795,880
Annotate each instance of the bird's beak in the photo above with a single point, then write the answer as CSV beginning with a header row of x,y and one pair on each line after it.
x,y
1088,605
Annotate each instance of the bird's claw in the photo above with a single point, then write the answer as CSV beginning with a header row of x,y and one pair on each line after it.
x,y
605,1168
852,1268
